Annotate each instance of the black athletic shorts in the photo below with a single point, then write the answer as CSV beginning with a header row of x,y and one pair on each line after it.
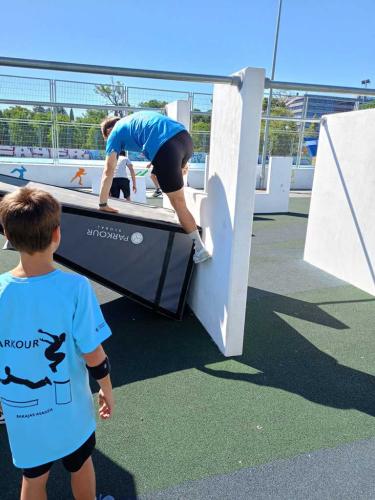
x,y
120,184
169,160
72,462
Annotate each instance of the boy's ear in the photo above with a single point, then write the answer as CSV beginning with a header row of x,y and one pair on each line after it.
x,y
56,234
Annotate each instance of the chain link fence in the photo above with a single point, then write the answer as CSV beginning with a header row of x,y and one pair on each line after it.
x,y
59,119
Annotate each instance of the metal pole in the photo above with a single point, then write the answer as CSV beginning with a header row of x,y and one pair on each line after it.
x,y
316,87
302,131
54,130
115,70
269,103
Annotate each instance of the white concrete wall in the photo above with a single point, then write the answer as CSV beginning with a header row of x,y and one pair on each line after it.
x,y
61,175
179,111
302,178
341,231
219,288
276,197
57,175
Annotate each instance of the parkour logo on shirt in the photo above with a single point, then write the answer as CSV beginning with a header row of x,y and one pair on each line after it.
x,y
19,344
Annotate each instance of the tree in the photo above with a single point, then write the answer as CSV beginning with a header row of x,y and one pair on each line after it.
x,y
40,109
114,93
94,138
368,104
93,116
153,103
201,122
71,115
277,102
21,133
61,111
282,139
4,131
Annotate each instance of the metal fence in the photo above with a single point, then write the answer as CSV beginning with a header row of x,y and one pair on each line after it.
x,y
39,114
52,119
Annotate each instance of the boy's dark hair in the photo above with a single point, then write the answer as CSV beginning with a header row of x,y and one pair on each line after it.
x,y
29,217
108,123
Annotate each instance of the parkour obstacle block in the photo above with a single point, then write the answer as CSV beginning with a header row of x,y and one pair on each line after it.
x,y
141,252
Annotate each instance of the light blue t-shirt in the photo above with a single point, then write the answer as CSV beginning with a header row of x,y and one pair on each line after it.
x,y
144,131
47,322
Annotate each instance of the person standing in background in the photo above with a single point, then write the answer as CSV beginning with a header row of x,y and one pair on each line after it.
x,y
121,181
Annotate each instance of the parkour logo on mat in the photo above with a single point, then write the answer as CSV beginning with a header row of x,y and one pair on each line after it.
x,y
114,233
136,238
108,233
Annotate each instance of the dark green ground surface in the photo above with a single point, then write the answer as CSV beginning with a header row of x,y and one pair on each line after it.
x,y
184,412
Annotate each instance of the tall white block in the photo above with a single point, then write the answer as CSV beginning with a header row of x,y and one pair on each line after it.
x,y
179,111
341,231
219,289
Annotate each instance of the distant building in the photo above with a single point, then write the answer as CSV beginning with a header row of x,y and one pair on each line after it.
x,y
314,106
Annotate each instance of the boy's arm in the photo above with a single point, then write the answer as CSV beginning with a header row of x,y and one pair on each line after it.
x,y
106,182
132,173
95,359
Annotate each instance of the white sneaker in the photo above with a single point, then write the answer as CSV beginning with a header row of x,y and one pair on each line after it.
x,y
201,255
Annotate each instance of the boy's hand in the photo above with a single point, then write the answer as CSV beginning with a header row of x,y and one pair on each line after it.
x,y
106,404
134,188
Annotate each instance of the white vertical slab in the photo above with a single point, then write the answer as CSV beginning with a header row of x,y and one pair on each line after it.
x,y
219,288
179,111
275,199
341,231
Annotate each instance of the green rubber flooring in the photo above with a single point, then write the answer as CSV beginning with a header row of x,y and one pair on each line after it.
x,y
305,382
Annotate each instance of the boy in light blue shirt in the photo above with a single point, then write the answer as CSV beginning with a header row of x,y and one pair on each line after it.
x,y
50,341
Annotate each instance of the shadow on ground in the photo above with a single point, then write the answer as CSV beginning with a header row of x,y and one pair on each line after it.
x,y
288,361
111,479
285,358
268,217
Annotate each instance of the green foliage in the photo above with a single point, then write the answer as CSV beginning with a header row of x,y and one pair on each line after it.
x,y
26,127
92,116
153,103
368,104
20,132
283,134
277,103
201,142
4,130
201,126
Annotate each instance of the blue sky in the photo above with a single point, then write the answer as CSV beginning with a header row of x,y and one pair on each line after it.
x,y
321,41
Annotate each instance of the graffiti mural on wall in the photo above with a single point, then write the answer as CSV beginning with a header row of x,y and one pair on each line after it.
x,y
75,154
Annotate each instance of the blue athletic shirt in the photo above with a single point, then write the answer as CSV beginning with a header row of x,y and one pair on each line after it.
x,y
47,322
144,131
